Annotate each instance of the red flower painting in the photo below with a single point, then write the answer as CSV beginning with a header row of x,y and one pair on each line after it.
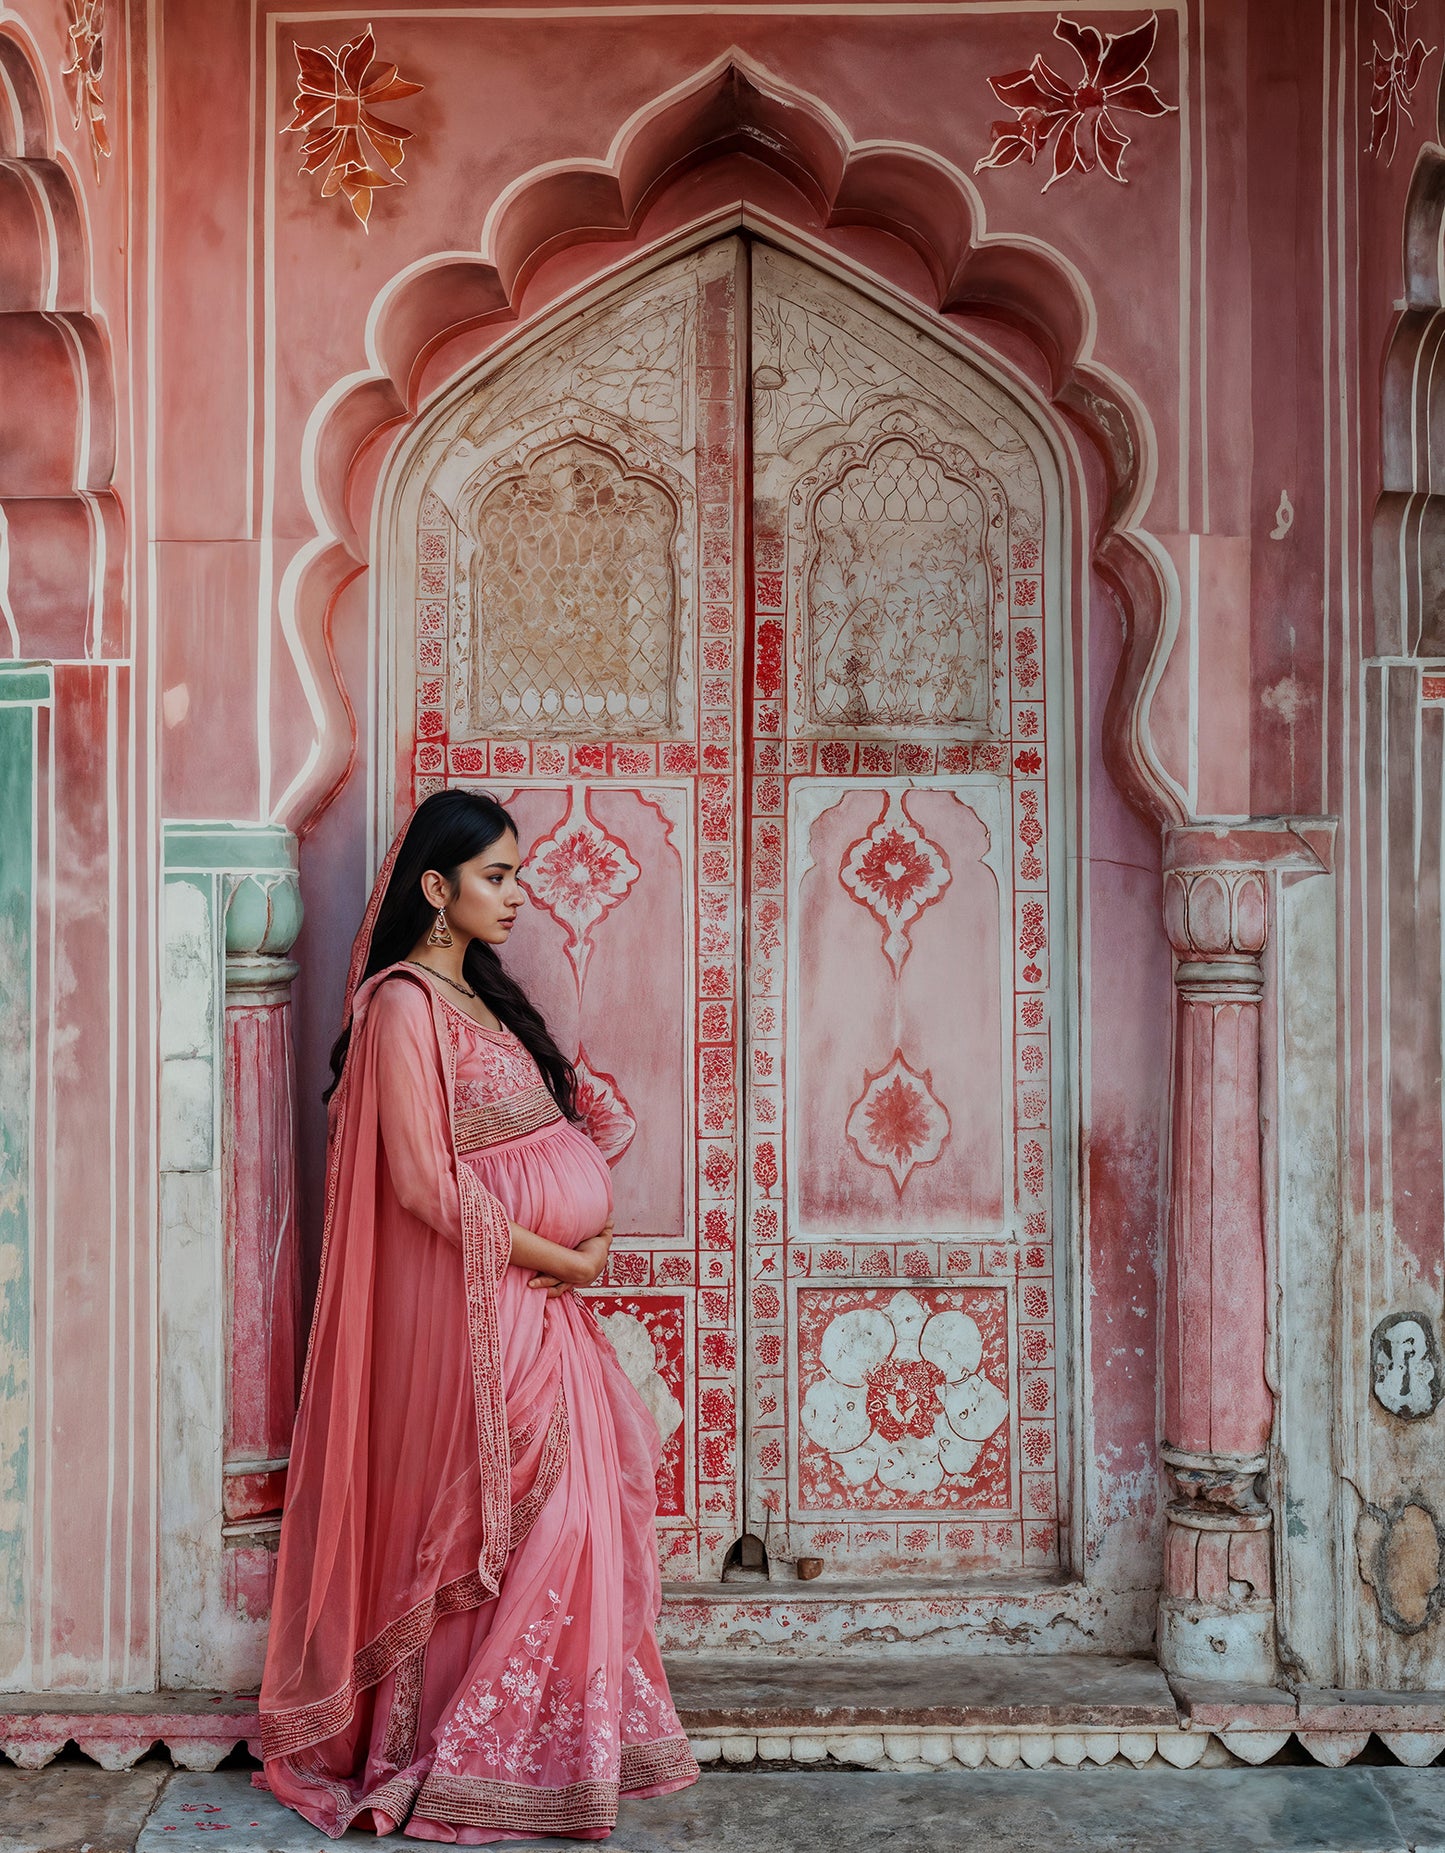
x,y
82,71
1395,69
1079,115
356,151
898,1122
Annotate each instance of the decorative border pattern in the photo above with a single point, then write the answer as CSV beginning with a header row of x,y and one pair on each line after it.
x,y
500,1120
515,1807
118,1742
1014,753
705,757
549,1471
399,1744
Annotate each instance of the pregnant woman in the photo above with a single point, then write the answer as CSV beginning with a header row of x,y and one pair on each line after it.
x,y
462,1640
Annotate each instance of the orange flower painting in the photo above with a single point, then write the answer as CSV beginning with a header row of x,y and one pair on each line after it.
x,y
355,151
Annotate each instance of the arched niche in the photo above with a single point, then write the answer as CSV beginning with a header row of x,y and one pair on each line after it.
x,y
833,190
62,542
754,595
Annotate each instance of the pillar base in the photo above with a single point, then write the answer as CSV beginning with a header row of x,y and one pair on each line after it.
x,y
1199,1641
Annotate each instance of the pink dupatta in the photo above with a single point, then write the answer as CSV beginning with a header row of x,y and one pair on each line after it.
x,y
364,1572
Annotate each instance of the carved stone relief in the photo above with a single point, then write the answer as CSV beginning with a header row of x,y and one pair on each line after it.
x,y
546,535
902,491
900,594
574,598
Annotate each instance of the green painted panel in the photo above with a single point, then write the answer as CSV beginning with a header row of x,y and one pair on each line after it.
x,y
229,847
25,682
17,1014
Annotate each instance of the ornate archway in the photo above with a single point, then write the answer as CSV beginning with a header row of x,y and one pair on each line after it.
x,y
754,136
753,602
733,155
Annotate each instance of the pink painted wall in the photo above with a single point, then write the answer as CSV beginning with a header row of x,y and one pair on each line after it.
x,y
1237,301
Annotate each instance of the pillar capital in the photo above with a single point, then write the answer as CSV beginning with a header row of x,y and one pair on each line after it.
x,y
235,887
1217,920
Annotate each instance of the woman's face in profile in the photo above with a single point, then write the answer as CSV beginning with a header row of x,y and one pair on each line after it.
x,y
489,896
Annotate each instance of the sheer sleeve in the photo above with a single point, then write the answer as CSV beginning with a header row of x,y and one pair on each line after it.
x,y
411,1104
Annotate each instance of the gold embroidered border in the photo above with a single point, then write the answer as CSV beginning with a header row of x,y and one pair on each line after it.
x,y
549,1472
522,1438
284,1733
394,1797
503,1119
477,1801
399,1745
668,1759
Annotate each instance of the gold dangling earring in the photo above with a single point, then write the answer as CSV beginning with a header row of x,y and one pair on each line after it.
x,y
441,933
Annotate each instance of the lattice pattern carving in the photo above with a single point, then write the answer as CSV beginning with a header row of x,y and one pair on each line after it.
x,y
574,598
902,575
900,594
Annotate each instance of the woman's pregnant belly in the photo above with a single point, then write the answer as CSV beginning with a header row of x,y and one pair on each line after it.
x,y
553,1181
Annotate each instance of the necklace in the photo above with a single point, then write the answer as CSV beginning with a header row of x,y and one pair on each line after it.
x,y
432,972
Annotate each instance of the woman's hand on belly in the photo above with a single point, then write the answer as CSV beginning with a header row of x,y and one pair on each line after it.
x,y
589,1254
559,1266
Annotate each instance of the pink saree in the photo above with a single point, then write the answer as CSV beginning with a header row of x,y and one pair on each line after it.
x,y
462,1639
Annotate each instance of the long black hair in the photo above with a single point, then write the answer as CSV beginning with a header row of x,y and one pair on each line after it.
x,y
446,830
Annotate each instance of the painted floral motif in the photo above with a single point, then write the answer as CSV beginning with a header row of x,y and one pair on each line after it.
x,y
905,1391
648,1333
896,873
82,71
637,1355
578,874
606,1117
896,1123
1078,114
355,151
1395,68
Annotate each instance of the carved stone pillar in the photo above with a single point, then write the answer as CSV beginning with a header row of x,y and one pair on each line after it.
x,y
1217,1615
262,919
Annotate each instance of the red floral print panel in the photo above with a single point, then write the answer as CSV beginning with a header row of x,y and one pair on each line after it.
x,y
905,1399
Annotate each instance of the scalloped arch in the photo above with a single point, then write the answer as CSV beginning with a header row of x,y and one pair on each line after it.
x,y
61,529
733,107
1409,522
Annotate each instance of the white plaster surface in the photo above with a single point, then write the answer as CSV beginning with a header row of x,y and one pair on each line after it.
x,y
1304,1177
1200,1642
202,1642
188,987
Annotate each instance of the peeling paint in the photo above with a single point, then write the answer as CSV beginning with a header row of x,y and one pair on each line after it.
x,y
17,730
1401,1554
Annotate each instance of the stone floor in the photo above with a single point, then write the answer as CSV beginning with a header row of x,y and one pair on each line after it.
x,y
74,1808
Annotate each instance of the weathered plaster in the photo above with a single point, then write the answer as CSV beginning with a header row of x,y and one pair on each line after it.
x,y
22,690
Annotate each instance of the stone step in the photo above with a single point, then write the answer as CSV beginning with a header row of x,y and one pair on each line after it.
x,y
1190,1811
721,1692
889,1711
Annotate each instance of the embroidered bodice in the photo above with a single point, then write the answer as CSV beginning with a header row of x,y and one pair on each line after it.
x,y
499,1093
